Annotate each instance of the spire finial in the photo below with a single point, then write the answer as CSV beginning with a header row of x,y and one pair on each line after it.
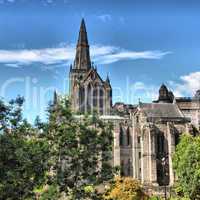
x,y
107,78
82,20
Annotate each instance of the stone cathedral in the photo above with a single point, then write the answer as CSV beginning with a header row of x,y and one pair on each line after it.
x,y
87,89
146,134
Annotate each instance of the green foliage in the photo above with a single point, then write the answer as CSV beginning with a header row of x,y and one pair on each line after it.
x,y
23,156
49,193
64,156
81,149
186,162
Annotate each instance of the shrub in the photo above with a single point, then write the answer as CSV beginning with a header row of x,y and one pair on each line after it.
x,y
125,189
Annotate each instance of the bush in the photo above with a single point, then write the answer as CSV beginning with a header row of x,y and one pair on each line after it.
x,y
125,189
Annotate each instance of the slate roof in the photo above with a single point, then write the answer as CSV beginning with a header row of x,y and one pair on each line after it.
x,y
161,110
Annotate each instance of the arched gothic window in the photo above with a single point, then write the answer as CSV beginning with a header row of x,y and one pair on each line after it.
x,y
176,137
160,144
121,139
81,99
101,99
128,136
95,95
89,97
110,97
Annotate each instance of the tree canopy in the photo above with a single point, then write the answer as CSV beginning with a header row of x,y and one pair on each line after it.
x,y
67,155
81,148
186,162
23,155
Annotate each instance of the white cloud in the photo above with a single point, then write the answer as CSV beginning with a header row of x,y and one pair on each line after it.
x,y
13,65
105,17
44,56
187,85
121,54
65,54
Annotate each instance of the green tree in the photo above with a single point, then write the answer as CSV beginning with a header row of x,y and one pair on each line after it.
x,y
186,162
23,155
81,150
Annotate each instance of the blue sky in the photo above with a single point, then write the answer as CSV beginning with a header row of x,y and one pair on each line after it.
x,y
140,44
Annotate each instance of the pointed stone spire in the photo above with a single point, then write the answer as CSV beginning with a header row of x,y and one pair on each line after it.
x,y
108,79
82,59
82,39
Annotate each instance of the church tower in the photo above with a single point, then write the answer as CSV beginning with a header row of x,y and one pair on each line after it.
x,y
82,59
88,92
165,95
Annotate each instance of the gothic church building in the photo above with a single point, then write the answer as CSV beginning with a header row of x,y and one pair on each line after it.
x,y
88,91
144,134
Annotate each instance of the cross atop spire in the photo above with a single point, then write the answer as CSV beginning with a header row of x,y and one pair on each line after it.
x,y
82,59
